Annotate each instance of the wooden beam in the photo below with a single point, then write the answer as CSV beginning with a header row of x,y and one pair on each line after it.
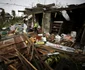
x,y
49,5
21,11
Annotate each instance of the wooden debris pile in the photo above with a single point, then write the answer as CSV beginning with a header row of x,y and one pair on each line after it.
x,y
20,53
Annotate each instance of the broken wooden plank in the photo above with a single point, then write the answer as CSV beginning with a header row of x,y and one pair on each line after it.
x,y
21,56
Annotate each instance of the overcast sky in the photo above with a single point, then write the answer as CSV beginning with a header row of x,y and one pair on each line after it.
x,y
16,5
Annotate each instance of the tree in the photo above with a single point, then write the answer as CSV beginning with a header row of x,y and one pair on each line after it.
x,y
13,13
2,19
3,14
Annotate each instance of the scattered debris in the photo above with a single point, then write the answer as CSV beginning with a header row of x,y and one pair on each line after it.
x,y
21,52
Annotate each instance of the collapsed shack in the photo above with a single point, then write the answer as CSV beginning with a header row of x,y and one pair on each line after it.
x,y
52,19
19,52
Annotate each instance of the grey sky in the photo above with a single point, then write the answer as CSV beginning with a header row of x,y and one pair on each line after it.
x,y
30,3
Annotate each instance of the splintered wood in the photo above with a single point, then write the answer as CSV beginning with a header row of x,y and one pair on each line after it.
x,y
20,53
7,49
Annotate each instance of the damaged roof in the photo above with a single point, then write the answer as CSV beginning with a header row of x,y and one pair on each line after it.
x,y
39,8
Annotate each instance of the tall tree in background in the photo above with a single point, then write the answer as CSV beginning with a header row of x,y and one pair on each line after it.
x,y
13,13
2,19
3,15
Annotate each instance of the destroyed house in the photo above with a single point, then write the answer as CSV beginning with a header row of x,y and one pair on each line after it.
x,y
59,20
19,52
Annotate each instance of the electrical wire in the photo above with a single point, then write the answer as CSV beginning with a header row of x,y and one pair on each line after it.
x,y
13,4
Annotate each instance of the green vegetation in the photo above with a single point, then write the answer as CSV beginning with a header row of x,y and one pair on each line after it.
x,y
7,21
